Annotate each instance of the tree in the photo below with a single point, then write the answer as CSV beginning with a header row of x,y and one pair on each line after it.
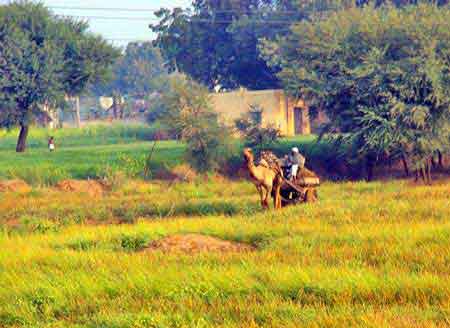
x,y
190,117
381,75
217,42
136,72
43,59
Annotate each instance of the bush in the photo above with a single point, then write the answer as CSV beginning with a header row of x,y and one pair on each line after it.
x,y
190,117
133,243
256,136
184,173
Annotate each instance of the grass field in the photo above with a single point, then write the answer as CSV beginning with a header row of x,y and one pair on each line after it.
x,y
82,154
369,255
366,255
97,151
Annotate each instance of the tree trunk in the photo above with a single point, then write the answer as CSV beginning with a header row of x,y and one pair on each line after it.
x,y
115,108
370,166
405,165
22,141
440,159
77,112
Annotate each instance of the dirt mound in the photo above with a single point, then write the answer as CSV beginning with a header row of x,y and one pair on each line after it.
x,y
91,187
14,186
195,243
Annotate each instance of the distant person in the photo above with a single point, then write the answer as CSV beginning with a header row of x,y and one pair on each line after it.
x,y
296,161
51,144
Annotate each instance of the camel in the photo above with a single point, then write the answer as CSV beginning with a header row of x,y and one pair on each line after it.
x,y
267,181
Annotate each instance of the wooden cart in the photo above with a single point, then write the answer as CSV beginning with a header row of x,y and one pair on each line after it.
x,y
301,190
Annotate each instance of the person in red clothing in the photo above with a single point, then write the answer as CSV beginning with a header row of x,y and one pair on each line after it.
x,y
51,144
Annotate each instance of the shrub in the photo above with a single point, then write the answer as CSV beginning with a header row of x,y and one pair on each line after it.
x,y
133,243
114,180
184,173
256,136
190,117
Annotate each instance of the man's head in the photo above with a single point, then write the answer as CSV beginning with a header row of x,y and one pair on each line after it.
x,y
295,150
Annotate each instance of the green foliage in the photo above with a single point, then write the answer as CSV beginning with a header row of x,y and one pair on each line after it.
x,y
217,42
190,117
134,243
381,75
43,59
137,72
255,135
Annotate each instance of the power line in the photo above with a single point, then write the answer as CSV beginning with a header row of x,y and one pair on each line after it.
x,y
195,20
110,17
140,10
153,10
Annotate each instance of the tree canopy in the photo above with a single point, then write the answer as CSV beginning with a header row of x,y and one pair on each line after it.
x,y
136,72
44,59
381,75
217,42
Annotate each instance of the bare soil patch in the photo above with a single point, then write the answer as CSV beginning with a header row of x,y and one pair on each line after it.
x,y
14,186
196,243
91,187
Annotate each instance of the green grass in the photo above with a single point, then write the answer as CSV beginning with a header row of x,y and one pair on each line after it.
x,y
39,167
89,136
97,151
91,152
368,255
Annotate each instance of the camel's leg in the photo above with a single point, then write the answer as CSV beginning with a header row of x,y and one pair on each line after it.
x,y
266,198
261,194
278,193
276,197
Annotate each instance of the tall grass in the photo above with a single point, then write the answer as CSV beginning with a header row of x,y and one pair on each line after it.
x,y
368,255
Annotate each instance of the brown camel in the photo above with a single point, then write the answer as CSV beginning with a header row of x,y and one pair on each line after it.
x,y
267,181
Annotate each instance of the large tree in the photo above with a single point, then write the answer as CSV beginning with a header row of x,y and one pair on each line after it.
x,y
43,60
381,75
216,42
136,72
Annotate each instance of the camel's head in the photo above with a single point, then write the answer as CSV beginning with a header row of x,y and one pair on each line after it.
x,y
248,154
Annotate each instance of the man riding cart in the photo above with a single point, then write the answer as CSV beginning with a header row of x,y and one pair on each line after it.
x,y
299,184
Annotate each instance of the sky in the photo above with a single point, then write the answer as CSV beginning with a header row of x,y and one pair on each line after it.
x,y
134,27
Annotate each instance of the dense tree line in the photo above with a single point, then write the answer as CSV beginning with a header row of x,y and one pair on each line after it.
x,y
218,42
382,75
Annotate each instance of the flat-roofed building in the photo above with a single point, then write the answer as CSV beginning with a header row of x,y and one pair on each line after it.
x,y
275,108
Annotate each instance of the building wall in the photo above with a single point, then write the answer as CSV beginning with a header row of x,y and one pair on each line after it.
x,y
278,109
